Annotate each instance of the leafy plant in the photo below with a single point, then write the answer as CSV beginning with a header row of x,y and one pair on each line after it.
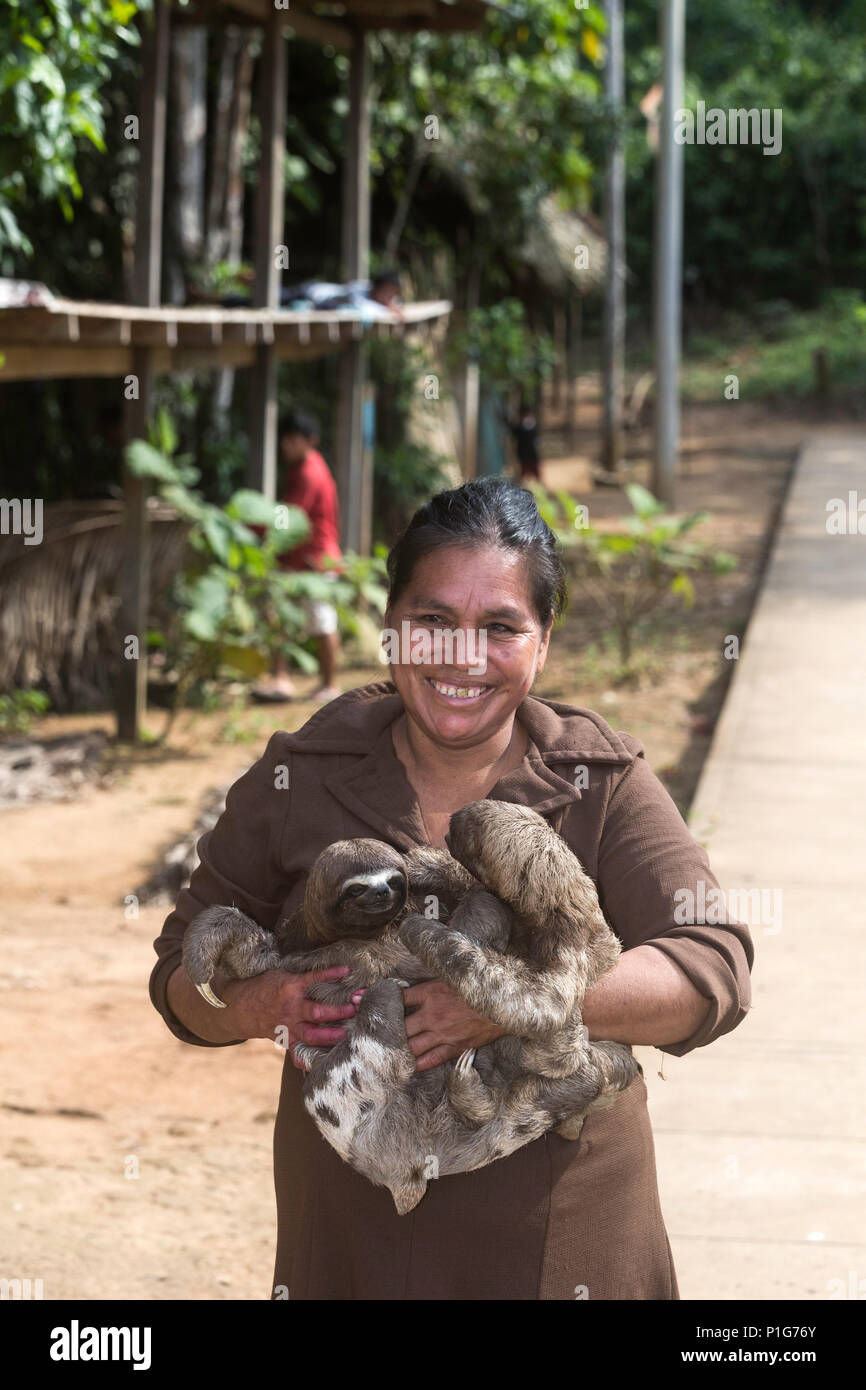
x,y
636,570
19,708
221,278
773,365
232,609
499,339
55,60
403,478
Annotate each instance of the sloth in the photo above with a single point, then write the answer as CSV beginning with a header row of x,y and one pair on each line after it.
x,y
521,939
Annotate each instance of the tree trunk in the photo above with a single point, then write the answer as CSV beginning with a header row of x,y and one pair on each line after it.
x,y
228,134
187,95
404,202
573,352
225,195
613,370
560,338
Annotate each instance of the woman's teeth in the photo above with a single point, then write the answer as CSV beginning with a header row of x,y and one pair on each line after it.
x,y
459,692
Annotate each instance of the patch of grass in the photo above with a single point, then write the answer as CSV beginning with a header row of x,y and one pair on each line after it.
x,y
772,354
19,709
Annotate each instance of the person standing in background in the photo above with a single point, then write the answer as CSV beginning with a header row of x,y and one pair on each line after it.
x,y
524,431
309,484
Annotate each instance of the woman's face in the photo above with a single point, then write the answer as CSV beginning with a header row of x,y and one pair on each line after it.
x,y
482,590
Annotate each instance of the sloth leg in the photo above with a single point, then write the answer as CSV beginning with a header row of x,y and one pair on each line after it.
x,y
534,1104
475,1102
612,1068
308,1055
559,1054
223,938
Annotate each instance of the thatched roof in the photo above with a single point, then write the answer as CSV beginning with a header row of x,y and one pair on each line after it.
x,y
550,247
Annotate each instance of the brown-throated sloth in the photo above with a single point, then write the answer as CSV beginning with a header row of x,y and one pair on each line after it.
x,y
524,941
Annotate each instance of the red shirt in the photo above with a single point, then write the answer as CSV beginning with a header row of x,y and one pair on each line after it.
x,y
311,486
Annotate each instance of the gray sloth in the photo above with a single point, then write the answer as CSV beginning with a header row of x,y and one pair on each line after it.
x,y
522,940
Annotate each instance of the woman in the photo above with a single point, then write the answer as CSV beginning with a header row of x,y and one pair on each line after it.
x,y
394,760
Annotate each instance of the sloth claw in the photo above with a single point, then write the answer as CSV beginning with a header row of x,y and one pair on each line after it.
x,y
465,1062
207,993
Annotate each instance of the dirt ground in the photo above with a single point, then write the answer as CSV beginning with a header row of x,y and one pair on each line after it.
x,y
136,1167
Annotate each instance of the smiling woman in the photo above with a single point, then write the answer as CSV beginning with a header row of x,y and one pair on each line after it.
x,y
480,561
558,1219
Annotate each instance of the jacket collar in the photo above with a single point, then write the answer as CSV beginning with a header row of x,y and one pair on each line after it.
x,y
377,789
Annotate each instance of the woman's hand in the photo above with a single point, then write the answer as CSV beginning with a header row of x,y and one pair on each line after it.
x,y
273,1005
442,1025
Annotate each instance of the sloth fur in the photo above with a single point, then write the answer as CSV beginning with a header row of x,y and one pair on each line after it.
x,y
517,932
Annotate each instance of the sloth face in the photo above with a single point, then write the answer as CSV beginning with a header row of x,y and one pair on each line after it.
x,y
355,888
368,901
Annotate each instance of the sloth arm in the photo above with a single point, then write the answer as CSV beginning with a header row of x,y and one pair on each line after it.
x,y
433,873
522,1000
367,966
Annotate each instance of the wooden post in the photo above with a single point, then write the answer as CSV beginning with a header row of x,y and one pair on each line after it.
x,y
472,372
270,217
614,296
356,170
668,254
349,463
471,402
575,315
821,371
365,544
135,574
560,366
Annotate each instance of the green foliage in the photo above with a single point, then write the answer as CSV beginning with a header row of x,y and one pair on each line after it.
x,y
233,610
760,226
18,710
404,478
513,104
633,571
55,56
406,473
221,278
771,353
510,355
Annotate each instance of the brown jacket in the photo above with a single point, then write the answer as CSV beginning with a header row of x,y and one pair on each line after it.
x,y
557,1219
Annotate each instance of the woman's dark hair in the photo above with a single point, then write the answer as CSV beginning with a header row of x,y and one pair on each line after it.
x,y
488,511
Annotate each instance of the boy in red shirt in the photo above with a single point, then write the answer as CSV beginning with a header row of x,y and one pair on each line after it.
x,y
309,484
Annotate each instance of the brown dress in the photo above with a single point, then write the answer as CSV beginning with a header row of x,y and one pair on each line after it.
x,y
557,1219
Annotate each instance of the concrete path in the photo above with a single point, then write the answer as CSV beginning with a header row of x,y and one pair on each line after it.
x,y
761,1137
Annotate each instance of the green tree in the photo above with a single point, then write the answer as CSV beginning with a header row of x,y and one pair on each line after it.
x,y
55,55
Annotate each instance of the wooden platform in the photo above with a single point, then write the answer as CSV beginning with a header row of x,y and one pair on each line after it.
x,y
72,338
